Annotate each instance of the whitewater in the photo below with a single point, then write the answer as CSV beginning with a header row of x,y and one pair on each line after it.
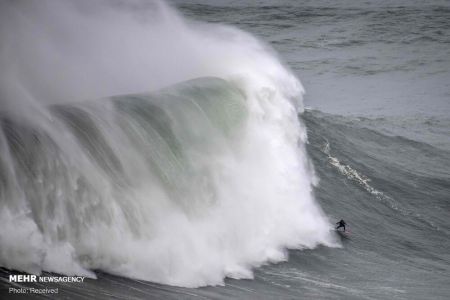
x,y
142,144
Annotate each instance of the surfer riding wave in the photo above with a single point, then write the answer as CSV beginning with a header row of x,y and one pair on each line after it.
x,y
340,224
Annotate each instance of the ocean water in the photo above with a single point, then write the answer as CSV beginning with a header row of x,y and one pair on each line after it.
x,y
199,161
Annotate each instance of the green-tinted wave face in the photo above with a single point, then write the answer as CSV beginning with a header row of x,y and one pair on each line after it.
x,y
209,103
214,100
174,134
179,129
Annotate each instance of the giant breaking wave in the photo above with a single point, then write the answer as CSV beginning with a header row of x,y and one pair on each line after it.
x,y
204,178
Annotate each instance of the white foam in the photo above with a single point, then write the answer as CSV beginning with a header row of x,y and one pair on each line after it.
x,y
262,199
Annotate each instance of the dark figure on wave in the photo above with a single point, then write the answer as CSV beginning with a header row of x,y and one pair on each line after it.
x,y
340,224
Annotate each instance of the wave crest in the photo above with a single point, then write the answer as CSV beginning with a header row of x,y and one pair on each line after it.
x,y
185,186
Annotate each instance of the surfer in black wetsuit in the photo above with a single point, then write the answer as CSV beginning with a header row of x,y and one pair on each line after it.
x,y
340,224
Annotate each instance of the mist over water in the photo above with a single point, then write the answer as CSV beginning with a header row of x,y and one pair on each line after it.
x,y
142,144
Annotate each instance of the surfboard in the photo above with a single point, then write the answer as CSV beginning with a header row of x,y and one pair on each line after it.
x,y
344,234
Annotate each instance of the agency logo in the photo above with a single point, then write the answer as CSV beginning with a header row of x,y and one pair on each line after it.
x,y
22,278
35,278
